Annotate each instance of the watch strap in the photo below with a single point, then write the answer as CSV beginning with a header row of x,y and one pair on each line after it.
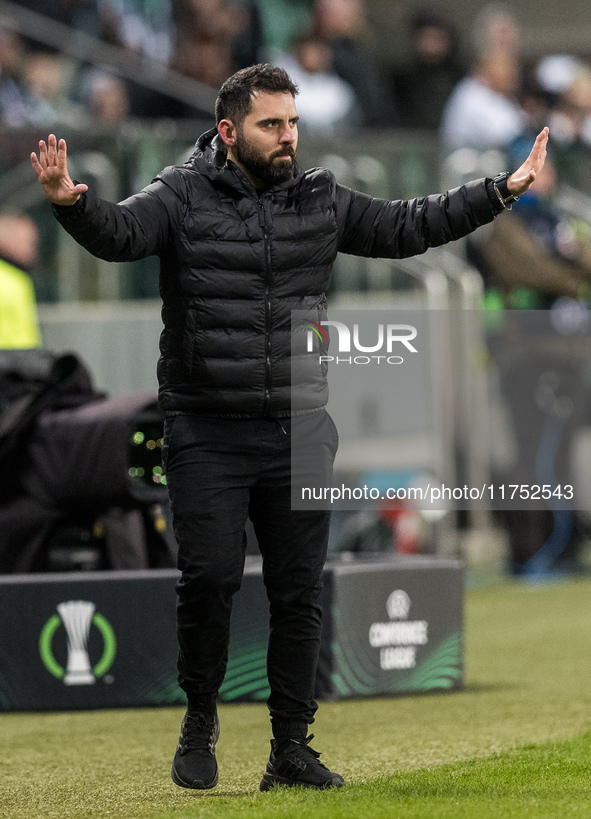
x,y
504,195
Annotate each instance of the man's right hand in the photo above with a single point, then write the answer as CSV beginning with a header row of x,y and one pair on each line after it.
x,y
52,171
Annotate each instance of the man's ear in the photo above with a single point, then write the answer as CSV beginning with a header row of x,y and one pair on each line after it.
x,y
227,131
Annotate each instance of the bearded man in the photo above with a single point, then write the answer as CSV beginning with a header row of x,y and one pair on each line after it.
x,y
244,237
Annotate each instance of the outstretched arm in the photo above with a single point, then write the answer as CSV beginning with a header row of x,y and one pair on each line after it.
x,y
137,227
52,171
399,228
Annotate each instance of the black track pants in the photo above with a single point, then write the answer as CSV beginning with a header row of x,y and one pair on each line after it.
x,y
219,472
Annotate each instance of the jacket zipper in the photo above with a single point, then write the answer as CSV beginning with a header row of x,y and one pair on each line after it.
x,y
263,224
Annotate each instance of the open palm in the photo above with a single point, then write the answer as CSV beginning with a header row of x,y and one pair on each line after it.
x,y
525,175
52,171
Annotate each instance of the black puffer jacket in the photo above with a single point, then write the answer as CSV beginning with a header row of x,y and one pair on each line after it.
x,y
234,264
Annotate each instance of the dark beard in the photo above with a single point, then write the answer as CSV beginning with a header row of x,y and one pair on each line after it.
x,y
265,169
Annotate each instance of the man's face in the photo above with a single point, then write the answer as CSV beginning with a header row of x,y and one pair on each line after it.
x,y
267,139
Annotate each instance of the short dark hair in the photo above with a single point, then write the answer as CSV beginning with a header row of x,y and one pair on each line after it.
x,y
234,100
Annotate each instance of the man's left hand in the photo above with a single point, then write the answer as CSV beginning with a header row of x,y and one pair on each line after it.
x,y
524,176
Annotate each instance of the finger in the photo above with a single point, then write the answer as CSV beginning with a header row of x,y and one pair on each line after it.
x,y
543,136
52,149
43,154
538,153
62,154
541,157
540,144
36,164
81,188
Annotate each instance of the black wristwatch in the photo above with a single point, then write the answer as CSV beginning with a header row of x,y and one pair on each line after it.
x,y
504,195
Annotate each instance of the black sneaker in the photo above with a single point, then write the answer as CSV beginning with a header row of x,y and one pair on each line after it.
x,y
194,764
295,763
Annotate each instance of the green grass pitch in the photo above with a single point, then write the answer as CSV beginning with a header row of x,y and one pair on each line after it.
x,y
515,743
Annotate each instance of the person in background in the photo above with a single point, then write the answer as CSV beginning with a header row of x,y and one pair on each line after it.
x,y
15,109
95,18
423,87
205,30
146,27
571,119
483,112
107,98
247,45
47,79
496,29
536,251
541,252
19,242
281,22
343,25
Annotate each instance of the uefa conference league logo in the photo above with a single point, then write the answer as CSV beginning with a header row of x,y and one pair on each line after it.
x,y
399,638
77,617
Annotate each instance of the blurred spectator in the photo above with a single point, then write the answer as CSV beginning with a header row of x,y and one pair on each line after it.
x,y
424,86
46,79
19,241
482,111
341,18
146,27
538,253
97,18
205,30
555,72
107,98
496,30
570,125
28,82
42,79
141,26
282,21
325,101
14,107
247,46
343,24
537,257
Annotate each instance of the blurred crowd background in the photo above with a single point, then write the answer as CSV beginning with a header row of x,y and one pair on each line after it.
x,y
142,75
478,88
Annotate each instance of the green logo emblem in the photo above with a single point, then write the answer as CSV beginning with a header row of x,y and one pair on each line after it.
x,y
77,617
